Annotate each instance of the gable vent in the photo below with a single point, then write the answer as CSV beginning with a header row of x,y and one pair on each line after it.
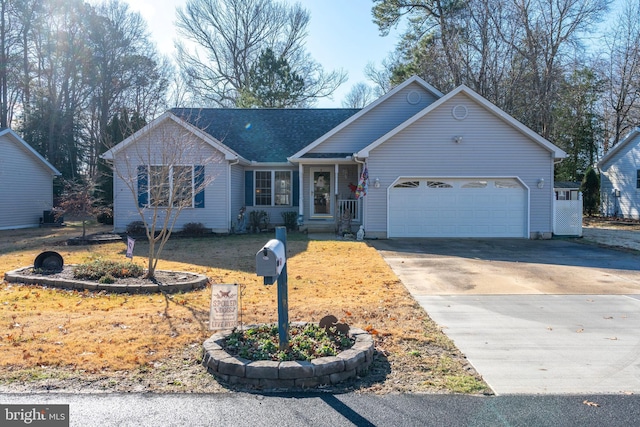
x,y
414,97
460,112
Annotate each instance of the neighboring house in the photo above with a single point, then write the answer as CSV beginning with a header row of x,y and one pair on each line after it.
x,y
26,183
438,165
620,178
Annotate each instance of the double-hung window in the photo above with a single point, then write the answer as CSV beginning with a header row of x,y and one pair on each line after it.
x,y
273,188
176,186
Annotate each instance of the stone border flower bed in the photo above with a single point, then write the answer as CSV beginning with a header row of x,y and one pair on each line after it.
x,y
183,282
290,374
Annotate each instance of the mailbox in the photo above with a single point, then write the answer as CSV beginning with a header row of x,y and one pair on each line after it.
x,y
270,260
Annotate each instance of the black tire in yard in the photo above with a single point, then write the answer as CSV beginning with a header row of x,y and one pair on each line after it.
x,y
49,261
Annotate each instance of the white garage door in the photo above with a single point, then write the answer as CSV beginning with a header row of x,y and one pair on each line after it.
x,y
486,207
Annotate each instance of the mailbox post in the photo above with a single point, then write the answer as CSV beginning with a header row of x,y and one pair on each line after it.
x,y
271,263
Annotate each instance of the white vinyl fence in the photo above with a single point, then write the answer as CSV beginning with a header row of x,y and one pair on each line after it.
x,y
568,217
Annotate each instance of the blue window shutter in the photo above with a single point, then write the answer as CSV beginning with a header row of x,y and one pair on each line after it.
x,y
143,186
248,188
198,180
295,188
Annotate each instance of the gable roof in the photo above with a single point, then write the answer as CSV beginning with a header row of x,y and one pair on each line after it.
x,y
612,153
557,152
29,149
265,135
364,111
229,154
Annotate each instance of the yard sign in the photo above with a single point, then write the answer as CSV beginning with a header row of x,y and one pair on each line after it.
x,y
130,244
224,306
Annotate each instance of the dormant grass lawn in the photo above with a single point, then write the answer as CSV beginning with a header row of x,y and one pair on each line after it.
x,y
105,341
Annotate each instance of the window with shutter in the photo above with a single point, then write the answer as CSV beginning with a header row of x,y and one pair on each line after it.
x,y
177,186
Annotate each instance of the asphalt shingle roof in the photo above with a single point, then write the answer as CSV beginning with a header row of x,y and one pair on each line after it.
x,y
265,135
566,184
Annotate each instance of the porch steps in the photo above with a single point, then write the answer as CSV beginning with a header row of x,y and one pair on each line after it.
x,y
320,227
326,227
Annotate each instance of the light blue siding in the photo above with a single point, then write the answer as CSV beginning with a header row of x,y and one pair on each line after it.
x,y
378,121
26,186
171,141
237,191
489,148
620,173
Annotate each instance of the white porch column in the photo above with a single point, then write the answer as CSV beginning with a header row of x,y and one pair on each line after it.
x,y
336,191
300,189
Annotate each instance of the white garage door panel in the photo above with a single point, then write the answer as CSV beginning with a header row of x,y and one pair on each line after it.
x,y
488,209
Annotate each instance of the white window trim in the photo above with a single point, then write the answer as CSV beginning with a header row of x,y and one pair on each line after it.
x,y
273,188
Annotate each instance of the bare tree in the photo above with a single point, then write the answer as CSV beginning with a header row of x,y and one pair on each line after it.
x,y
127,72
165,170
4,59
381,77
226,37
511,52
542,32
16,18
622,72
29,14
79,199
59,86
433,32
360,96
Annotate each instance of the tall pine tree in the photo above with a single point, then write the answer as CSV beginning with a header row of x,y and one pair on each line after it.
x,y
272,84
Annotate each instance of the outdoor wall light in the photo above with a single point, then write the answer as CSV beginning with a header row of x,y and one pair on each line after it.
x,y
376,183
457,139
616,193
541,183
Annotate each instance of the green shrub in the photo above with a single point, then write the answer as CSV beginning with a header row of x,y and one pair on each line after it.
x,y
305,343
258,220
136,228
290,219
194,229
107,279
590,188
98,269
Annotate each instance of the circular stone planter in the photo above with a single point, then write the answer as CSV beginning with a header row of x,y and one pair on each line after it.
x,y
290,374
180,282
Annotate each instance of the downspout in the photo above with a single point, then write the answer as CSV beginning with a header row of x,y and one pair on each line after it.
x,y
231,163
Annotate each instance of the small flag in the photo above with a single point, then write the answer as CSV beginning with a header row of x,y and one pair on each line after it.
x,y
130,244
361,190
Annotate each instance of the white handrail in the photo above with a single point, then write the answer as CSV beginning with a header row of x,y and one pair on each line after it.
x,y
352,205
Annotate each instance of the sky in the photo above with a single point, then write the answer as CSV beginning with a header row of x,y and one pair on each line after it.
x,y
342,35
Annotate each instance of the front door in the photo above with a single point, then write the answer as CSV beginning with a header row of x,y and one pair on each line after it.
x,y
321,200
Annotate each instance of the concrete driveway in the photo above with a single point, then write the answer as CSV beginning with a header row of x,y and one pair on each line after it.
x,y
532,316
